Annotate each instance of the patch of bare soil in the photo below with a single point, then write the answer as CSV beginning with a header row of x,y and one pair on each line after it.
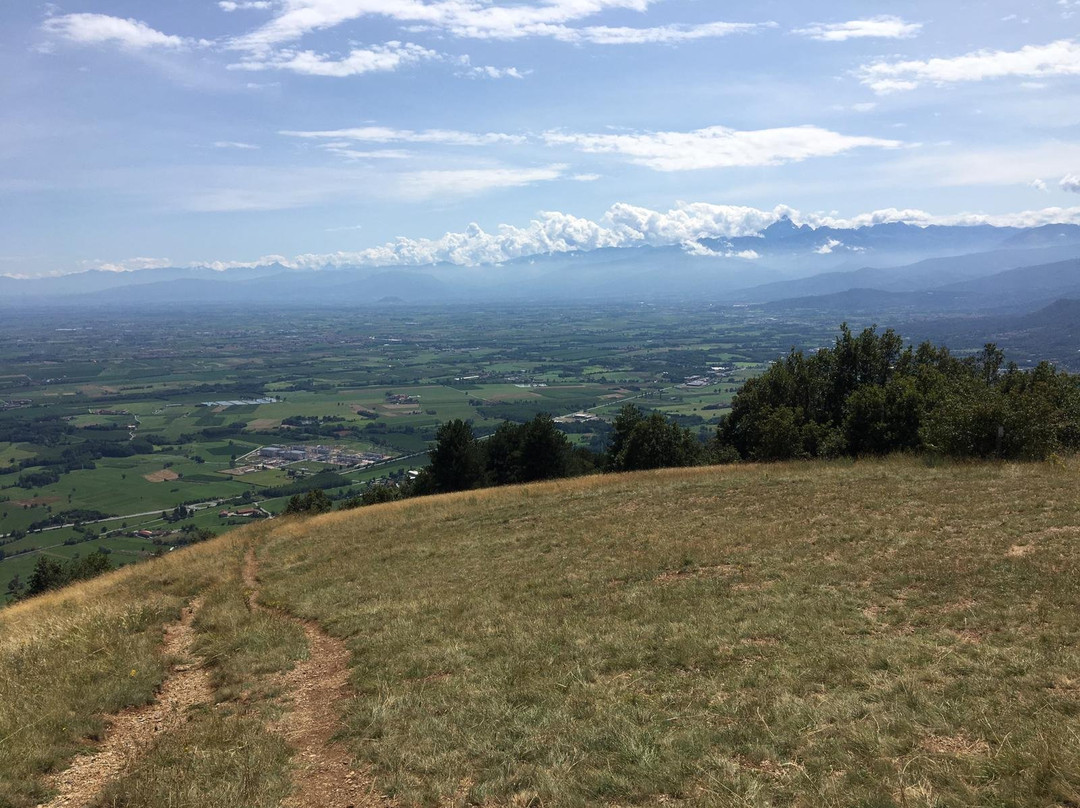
x,y
1019,550
325,776
132,731
35,501
165,475
960,745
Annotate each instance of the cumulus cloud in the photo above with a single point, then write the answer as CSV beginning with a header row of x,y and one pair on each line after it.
x,y
719,146
385,134
1060,58
468,70
373,59
625,225
101,29
128,264
881,27
1070,182
828,247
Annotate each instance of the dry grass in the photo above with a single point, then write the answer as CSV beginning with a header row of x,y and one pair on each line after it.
x,y
71,657
164,475
805,634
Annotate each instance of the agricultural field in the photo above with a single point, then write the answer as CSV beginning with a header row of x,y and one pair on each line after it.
x,y
112,425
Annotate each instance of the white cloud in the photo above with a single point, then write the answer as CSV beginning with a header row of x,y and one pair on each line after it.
x,y
463,18
1038,184
479,19
431,184
828,247
1070,182
233,144
626,225
585,177
663,34
245,5
344,150
920,218
881,27
128,264
623,225
384,134
101,29
1061,58
468,70
373,59
718,146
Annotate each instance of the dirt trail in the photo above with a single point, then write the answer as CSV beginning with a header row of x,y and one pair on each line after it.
x,y
318,687
132,731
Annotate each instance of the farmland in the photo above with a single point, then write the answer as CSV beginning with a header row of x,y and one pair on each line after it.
x,y
109,423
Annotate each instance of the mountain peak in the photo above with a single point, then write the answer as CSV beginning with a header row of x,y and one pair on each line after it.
x,y
784,228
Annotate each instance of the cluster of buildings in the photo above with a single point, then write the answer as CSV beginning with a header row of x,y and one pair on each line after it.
x,y
15,404
242,402
576,418
714,375
333,455
253,512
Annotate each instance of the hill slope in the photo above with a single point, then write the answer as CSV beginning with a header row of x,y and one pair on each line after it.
x,y
879,633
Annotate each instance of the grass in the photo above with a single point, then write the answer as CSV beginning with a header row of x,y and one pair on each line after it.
x,y
892,633
806,634
213,760
69,658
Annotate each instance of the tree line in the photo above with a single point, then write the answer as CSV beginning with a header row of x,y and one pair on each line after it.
x,y
869,395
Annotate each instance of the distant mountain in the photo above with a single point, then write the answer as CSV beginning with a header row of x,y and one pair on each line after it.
x,y
933,273
1026,285
784,262
854,301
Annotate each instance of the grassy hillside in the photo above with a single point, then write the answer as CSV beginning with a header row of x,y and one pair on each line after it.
x,y
845,634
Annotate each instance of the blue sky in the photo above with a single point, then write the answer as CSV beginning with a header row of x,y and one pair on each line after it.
x,y
398,131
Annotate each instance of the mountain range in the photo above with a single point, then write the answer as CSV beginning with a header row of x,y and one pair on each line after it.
x,y
786,266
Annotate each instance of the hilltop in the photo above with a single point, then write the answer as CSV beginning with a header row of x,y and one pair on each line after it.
x,y
888,633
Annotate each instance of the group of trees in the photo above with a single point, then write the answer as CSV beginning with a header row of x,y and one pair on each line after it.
x,y
869,395
514,453
50,573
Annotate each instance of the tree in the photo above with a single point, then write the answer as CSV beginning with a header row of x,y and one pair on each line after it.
x,y
869,395
545,451
48,574
655,442
456,462
313,502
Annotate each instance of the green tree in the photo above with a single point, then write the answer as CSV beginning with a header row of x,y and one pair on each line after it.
x,y
313,502
655,442
456,461
48,574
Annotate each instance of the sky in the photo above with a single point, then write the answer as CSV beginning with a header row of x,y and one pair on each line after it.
x,y
178,132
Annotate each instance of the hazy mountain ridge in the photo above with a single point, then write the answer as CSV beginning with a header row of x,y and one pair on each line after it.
x,y
786,262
